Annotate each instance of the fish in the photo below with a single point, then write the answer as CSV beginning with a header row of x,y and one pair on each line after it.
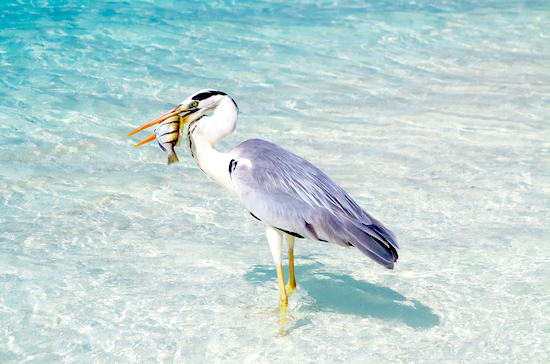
x,y
167,135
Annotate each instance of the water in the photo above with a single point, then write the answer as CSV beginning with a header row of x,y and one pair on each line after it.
x,y
434,116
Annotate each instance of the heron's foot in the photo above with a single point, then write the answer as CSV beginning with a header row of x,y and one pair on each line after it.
x,y
282,311
290,287
283,301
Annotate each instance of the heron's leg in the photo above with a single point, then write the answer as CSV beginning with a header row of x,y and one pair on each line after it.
x,y
291,285
275,239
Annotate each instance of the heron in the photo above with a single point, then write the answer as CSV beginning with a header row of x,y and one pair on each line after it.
x,y
288,195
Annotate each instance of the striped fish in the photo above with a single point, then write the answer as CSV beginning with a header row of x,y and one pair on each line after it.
x,y
167,134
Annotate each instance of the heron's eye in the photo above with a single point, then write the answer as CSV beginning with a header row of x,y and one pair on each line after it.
x,y
194,104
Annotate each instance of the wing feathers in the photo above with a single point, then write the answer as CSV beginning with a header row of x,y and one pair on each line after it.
x,y
285,191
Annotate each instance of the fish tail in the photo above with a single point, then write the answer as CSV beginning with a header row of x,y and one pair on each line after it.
x,y
172,157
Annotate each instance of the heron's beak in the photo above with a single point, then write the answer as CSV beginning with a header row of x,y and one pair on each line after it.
x,y
151,138
175,111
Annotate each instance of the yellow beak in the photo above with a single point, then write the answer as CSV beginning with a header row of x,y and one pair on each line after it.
x,y
151,138
175,111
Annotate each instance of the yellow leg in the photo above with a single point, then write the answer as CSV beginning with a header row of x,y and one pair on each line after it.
x,y
291,285
283,299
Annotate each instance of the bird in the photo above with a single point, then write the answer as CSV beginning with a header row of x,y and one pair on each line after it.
x,y
288,195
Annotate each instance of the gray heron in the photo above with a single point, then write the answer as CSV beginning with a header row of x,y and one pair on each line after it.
x,y
284,192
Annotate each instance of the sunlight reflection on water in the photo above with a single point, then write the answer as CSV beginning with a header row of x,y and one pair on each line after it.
x,y
433,117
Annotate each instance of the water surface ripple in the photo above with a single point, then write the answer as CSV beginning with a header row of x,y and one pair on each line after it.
x,y
434,116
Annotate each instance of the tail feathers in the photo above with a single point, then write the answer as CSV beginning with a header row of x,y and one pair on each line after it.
x,y
373,240
373,243
172,157
373,224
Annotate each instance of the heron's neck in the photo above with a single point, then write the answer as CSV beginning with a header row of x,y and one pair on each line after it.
x,y
213,163
204,134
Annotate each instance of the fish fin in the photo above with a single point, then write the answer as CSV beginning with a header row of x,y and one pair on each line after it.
x,y
172,158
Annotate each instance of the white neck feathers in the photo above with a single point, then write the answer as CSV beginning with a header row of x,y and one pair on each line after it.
x,y
205,133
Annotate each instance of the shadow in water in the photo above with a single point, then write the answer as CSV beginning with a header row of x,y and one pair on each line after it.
x,y
346,295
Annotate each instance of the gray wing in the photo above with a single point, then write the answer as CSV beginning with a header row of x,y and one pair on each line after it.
x,y
287,192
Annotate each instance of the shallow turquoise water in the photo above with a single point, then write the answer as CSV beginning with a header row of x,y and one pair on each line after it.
x,y
434,116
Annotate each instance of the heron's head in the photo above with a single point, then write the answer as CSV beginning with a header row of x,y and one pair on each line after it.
x,y
194,107
205,101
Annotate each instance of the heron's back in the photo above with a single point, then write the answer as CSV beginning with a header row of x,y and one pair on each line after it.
x,y
285,191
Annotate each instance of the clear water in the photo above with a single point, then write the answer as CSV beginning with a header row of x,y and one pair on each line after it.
x,y
433,115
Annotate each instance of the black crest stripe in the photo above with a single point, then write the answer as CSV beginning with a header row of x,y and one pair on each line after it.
x,y
207,94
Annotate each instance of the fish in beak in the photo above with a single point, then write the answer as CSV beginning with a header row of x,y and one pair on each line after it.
x,y
175,111
167,133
